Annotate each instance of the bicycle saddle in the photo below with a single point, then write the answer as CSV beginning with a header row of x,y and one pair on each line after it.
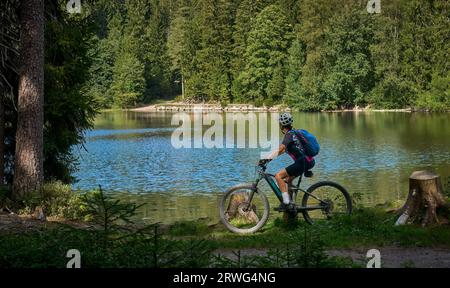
x,y
308,174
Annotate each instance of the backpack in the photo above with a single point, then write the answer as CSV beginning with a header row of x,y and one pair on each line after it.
x,y
310,145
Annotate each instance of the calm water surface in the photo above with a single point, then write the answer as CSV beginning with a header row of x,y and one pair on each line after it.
x,y
370,153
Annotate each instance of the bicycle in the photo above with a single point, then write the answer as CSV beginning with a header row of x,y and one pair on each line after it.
x,y
243,213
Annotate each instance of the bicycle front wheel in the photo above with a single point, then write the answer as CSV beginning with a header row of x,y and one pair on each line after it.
x,y
325,200
243,209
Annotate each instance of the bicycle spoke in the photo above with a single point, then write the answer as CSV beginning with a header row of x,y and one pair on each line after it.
x,y
325,202
240,212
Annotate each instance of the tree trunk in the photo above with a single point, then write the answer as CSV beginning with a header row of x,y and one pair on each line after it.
x,y
28,167
2,142
182,87
424,199
234,209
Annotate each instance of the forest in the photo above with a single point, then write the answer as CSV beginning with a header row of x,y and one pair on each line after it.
x,y
311,55
63,70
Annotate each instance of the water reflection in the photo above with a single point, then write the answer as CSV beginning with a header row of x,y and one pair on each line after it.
x,y
371,153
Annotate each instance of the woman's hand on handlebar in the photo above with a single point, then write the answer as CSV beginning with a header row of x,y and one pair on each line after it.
x,y
263,162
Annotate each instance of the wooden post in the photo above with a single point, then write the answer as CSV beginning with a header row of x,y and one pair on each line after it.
x,y
182,87
424,198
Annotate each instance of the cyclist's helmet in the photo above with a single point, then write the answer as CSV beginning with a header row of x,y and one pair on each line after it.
x,y
285,119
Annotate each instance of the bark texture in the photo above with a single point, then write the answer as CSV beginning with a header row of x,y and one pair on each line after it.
x,y
28,166
235,211
2,142
424,200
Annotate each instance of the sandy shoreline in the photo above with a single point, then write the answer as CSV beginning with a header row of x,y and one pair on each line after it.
x,y
208,107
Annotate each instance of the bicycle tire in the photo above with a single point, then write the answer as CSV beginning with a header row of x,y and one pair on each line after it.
x,y
317,185
260,223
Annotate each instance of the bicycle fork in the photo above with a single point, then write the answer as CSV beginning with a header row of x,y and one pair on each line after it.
x,y
250,198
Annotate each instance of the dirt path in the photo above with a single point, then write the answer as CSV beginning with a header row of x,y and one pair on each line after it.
x,y
391,257
13,223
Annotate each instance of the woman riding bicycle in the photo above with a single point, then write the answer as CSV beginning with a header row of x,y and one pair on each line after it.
x,y
293,146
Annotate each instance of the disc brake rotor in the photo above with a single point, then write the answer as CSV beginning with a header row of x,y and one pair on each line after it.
x,y
329,206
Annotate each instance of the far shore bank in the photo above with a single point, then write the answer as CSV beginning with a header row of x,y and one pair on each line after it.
x,y
211,107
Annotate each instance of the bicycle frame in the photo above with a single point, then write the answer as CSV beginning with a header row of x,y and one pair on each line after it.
x,y
268,177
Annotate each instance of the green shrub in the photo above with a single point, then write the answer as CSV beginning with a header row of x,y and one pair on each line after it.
x,y
106,211
58,199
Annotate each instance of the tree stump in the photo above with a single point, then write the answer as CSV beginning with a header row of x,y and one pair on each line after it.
x,y
424,199
235,208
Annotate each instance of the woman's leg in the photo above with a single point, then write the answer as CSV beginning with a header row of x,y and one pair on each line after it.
x,y
280,176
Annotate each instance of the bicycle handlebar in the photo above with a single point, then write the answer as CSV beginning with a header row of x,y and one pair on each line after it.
x,y
263,163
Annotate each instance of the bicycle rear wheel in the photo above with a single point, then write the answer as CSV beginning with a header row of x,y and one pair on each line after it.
x,y
239,213
329,198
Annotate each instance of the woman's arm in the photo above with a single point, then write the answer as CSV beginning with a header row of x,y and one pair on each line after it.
x,y
275,153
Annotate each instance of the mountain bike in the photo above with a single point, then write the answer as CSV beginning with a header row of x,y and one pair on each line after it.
x,y
244,208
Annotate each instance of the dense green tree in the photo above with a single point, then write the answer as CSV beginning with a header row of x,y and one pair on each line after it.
x,y
68,109
315,16
128,80
9,47
349,76
268,43
425,47
295,62
246,10
176,44
218,50
155,56
130,52
194,83
106,45
209,73
391,89
437,98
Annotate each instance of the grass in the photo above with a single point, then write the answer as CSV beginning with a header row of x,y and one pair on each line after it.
x,y
196,243
365,228
48,247
193,243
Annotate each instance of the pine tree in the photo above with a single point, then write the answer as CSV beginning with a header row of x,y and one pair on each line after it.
x,y
268,42
296,60
351,75
276,87
424,45
176,43
107,45
391,89
29,155
128,80
155,54
246,11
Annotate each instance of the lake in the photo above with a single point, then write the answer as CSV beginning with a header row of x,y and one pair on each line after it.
x,y
370,153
